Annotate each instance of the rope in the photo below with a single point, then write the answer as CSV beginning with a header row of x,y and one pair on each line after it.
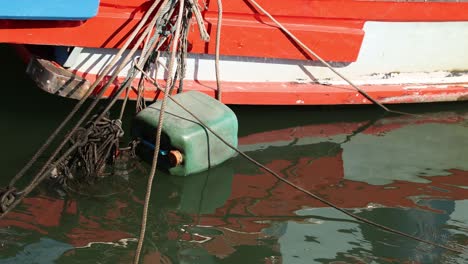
x,y
218,40
101,93
127,84
100,148
199,18
158,136
19,195
326,64
84,98
105,134
183,50
324,201
49,166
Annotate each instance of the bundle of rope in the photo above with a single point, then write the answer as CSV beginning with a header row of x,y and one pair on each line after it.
x,y
16,196
91,146
98,145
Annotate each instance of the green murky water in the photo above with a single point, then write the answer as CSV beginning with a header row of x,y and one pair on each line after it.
x,y
409,173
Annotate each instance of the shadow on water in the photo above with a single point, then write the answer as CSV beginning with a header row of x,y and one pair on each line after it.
x,y
405,172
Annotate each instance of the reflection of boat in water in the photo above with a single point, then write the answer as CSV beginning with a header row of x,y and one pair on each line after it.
x,y
237,209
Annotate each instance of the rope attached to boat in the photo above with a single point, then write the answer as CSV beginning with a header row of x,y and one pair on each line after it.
x,y
326,64
186,8
167,90
7,194
218,43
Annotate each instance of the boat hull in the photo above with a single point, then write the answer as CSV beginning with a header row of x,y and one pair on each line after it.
x,y
75,84
399,62
402,55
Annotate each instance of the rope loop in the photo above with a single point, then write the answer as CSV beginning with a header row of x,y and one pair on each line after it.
x,y
7,197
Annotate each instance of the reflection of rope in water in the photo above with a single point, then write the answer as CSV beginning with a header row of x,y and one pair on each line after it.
x,y
207,238
222,227
97,195
123,243
240,232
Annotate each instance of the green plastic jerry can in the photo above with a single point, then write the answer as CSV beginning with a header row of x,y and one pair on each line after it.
x,y
186,146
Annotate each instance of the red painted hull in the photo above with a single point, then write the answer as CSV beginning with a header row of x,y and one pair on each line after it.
x,y
334,29
243,34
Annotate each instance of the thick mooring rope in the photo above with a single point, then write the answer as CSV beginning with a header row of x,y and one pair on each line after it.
x,y
219,23
326,64
179,48
324,201
170,81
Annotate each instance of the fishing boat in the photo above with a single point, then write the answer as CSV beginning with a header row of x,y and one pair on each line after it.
x,y
395,51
